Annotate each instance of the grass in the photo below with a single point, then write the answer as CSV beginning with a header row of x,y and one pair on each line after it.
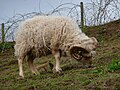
x,y
4,46
104,75
115,65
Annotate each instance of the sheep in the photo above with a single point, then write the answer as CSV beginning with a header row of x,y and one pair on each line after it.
x,y
44,35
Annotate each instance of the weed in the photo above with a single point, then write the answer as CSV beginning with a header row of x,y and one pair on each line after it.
x,y
115,65
4,46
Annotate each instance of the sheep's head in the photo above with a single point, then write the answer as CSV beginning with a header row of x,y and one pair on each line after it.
x,y
86,49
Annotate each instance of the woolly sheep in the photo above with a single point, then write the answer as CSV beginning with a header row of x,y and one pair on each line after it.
x,y
43,35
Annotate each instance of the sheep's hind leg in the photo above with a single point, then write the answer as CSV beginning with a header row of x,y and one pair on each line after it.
x,y
57,55
20,61
32,67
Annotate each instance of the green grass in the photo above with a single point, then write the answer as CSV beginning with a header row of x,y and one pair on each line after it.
x,y
115,65
104,75
5,46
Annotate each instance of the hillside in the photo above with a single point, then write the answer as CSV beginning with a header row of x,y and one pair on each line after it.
x,y
104,75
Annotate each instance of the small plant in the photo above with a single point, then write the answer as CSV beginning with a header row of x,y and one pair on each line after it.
x,y
4,46
115,65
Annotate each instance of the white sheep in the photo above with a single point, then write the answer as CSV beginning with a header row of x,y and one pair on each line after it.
x,y
43,35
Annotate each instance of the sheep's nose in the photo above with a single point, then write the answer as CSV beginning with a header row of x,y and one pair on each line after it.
x,y
93,53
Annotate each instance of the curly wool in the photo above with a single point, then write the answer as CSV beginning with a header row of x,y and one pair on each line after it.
x,y
42,33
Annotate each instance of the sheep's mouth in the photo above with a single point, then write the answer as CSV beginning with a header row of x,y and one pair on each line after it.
x,y
78,52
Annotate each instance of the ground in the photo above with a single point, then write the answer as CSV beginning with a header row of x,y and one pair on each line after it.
x,y
104,74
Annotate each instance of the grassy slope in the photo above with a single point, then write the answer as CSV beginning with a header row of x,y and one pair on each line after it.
x,y
74,78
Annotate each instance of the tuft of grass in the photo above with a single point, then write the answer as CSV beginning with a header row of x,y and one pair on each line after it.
x,y
4,46
115,65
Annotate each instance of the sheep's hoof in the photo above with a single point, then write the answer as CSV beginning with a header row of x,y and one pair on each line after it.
x,y
36,73
20,78
58,72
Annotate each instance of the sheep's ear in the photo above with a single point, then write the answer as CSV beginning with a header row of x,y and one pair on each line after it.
x,y
94,40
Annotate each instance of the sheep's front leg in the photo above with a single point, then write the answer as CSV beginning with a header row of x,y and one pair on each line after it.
x,y
57,55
